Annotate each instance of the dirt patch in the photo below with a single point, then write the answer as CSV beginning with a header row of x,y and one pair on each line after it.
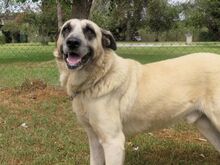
x,y
33,85
30,91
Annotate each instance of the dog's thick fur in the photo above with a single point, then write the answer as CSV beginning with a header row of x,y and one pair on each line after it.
x,y
114,96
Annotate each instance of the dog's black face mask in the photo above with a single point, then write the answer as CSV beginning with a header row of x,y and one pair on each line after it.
x,y
75,48
78,36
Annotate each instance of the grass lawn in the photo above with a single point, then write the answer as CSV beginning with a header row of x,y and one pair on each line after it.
x,y
53,136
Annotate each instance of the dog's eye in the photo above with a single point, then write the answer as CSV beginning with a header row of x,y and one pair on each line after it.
x,y
66,30
89,33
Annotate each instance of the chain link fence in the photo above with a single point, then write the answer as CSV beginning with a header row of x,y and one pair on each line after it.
x,y
36,121
33,61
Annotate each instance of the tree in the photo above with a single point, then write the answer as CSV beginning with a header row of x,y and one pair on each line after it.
x,y
161,16
13,28
121,17
59,13
81,8
50,13
205,13
134,17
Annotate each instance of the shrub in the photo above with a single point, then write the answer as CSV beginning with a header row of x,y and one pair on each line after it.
x,y
208,36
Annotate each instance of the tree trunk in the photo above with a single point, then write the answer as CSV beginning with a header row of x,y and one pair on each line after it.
x,y
128,31
128,27
59,14
81,8
157,37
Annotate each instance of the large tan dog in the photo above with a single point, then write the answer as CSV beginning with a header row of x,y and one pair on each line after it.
x,y
113,96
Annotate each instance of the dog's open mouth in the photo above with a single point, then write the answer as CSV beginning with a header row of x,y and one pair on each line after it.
x,y
74,60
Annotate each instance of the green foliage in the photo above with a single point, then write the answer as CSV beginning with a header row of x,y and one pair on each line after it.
x,y
161,16
41,25
11,26
204,13
123,18
43,22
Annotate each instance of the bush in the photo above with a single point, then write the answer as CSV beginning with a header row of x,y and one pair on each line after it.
x,y
2,39
208,36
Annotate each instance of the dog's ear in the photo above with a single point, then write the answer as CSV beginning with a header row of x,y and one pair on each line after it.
x,y
108,40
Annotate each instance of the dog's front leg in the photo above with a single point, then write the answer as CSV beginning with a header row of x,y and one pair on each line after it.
x,y
96,149
107,125
114,149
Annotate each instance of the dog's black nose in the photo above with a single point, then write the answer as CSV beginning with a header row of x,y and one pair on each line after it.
x,y
73,43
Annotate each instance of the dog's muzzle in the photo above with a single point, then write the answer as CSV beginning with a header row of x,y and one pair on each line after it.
x,y
76,54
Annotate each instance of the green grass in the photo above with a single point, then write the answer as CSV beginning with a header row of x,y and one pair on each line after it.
x,y
54,136
157,151
14,74
27,61
25,53
38,53
153,54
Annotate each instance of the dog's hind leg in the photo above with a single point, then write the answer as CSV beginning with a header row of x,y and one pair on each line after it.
x,y
207,128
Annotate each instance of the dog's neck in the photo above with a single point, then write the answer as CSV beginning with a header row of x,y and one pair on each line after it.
x,y
87,80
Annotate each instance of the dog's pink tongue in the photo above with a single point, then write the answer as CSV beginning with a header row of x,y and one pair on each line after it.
x,y
73,60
